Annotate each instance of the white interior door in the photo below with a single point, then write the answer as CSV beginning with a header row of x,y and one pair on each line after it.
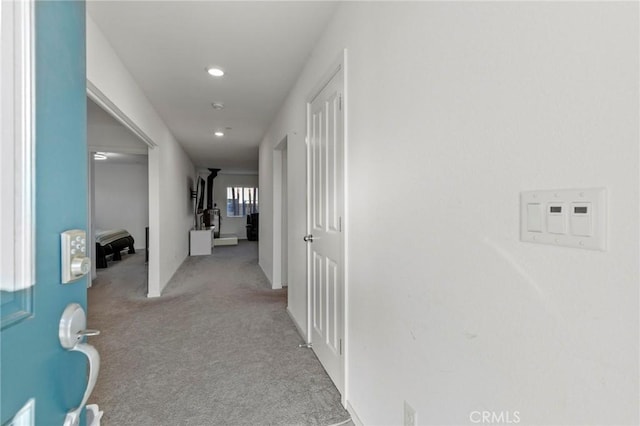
x,y
325,140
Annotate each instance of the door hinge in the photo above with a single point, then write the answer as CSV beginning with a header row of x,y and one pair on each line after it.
x,y
340,346
340,103
340,224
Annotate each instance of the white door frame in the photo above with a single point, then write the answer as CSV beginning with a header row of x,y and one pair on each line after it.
x,y
278,196
339,64
103,101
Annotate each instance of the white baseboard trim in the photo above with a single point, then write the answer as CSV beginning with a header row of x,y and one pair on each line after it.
x,y
354,416
274,286
265,274
301,332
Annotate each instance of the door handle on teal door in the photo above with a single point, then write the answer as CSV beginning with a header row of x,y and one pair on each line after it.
x,y
73,416
71,332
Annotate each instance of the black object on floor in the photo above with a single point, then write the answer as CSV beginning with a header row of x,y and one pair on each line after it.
x,y
253,226
146,244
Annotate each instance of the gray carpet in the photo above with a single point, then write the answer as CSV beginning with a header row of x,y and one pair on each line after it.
x,y
217,349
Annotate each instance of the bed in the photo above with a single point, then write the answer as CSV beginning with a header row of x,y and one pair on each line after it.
x,y
112,242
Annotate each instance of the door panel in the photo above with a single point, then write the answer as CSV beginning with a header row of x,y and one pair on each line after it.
x,y
317,169
333,146
34,365
333,288
325,150
318,320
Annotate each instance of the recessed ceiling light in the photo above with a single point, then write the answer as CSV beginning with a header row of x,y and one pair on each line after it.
x,y
216,72
217,105
219,133
99,156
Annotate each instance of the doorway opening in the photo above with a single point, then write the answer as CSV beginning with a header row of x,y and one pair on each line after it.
x,y
118,193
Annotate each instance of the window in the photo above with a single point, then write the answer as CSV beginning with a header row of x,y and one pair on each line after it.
x,y
241,201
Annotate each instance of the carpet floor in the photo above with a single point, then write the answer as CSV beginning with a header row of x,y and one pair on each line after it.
x,y
218,348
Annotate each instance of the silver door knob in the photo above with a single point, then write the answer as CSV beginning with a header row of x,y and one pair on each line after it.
x,y
72,328
308,238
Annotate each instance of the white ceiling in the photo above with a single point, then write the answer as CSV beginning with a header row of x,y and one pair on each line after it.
x,y
167,45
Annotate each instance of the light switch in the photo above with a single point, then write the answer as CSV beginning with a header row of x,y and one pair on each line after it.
x,y
556,218
534,217
581,219
574,218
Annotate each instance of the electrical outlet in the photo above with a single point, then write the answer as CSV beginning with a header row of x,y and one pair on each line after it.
x,y
410,416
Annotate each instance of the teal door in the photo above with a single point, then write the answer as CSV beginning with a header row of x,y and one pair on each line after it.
x,y
33,364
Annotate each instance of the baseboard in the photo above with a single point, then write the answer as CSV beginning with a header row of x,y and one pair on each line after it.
x,y
301,332
265,274
354,417
158,293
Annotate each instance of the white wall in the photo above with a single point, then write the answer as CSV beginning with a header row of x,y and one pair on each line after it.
x,y
459,107
122,198
233,225
171,171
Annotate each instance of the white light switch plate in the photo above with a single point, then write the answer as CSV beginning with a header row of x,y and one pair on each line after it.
x,y
583,218
75,263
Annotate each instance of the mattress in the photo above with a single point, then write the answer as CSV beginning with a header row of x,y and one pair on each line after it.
x,y
107,237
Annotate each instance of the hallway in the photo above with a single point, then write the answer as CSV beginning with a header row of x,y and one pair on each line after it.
x,y
218,348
